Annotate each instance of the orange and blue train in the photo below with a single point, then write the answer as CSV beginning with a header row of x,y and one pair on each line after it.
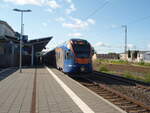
x,y
72,56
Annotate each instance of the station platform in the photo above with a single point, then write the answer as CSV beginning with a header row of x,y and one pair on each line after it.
x,y
47,90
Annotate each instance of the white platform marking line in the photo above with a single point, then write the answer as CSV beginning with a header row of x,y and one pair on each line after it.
x,y
109,103
84,107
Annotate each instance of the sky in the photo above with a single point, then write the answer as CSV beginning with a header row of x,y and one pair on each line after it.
x,y
98,21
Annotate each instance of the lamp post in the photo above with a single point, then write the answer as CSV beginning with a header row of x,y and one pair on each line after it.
x,y
21,11
125,47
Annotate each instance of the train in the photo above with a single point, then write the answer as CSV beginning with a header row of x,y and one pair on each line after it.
x,y
72,56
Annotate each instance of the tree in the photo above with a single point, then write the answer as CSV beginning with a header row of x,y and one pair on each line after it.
x,y
135,54
129,54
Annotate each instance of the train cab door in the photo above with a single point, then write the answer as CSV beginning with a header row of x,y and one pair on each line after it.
x,y
68,59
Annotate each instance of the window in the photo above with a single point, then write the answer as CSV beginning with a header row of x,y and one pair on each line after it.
x,y
82,50
68,55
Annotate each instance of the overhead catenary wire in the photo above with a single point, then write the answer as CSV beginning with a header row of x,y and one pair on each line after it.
x,y
133,22
138,20
97,9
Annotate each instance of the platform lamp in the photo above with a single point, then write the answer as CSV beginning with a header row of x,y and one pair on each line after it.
x,y
22,25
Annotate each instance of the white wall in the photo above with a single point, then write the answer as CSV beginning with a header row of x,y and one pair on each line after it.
x,y
123,56
146,57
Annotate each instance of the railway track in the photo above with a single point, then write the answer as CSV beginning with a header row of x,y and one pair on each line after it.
x,y
112,87
128,104
145,88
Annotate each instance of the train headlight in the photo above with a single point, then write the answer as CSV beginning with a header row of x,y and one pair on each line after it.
x,y
82,69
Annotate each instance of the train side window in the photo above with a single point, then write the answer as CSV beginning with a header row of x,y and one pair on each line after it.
x,y
68,55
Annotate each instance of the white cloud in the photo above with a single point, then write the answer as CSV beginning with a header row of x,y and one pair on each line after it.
x,y
148,45
78,23
54,44
91,21
75,35
53,4
60,19
131,46
101,44
74,26
71,9
23,2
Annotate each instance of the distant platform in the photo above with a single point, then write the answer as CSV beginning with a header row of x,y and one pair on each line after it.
x,y
47,90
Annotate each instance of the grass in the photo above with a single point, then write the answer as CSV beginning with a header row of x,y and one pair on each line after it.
x,y
121,62
103,69
147,78
131,76
143,64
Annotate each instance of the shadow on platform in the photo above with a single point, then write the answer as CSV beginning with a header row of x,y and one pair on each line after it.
x,y
7,73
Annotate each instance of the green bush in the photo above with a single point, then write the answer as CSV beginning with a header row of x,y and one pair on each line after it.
x,y
112,61
103,69
102,61
118,62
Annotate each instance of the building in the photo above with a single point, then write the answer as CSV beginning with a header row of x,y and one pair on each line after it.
x,y
136,56
10,46
5,29
143,56
7,47
106,56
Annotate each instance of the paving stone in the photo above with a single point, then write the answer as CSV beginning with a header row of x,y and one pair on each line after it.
x,y
16,94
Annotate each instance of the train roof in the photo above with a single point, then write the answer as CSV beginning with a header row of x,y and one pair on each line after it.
x,y
77,39
64,45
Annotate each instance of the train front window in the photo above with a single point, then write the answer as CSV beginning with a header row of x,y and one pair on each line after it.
x,y
82,50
